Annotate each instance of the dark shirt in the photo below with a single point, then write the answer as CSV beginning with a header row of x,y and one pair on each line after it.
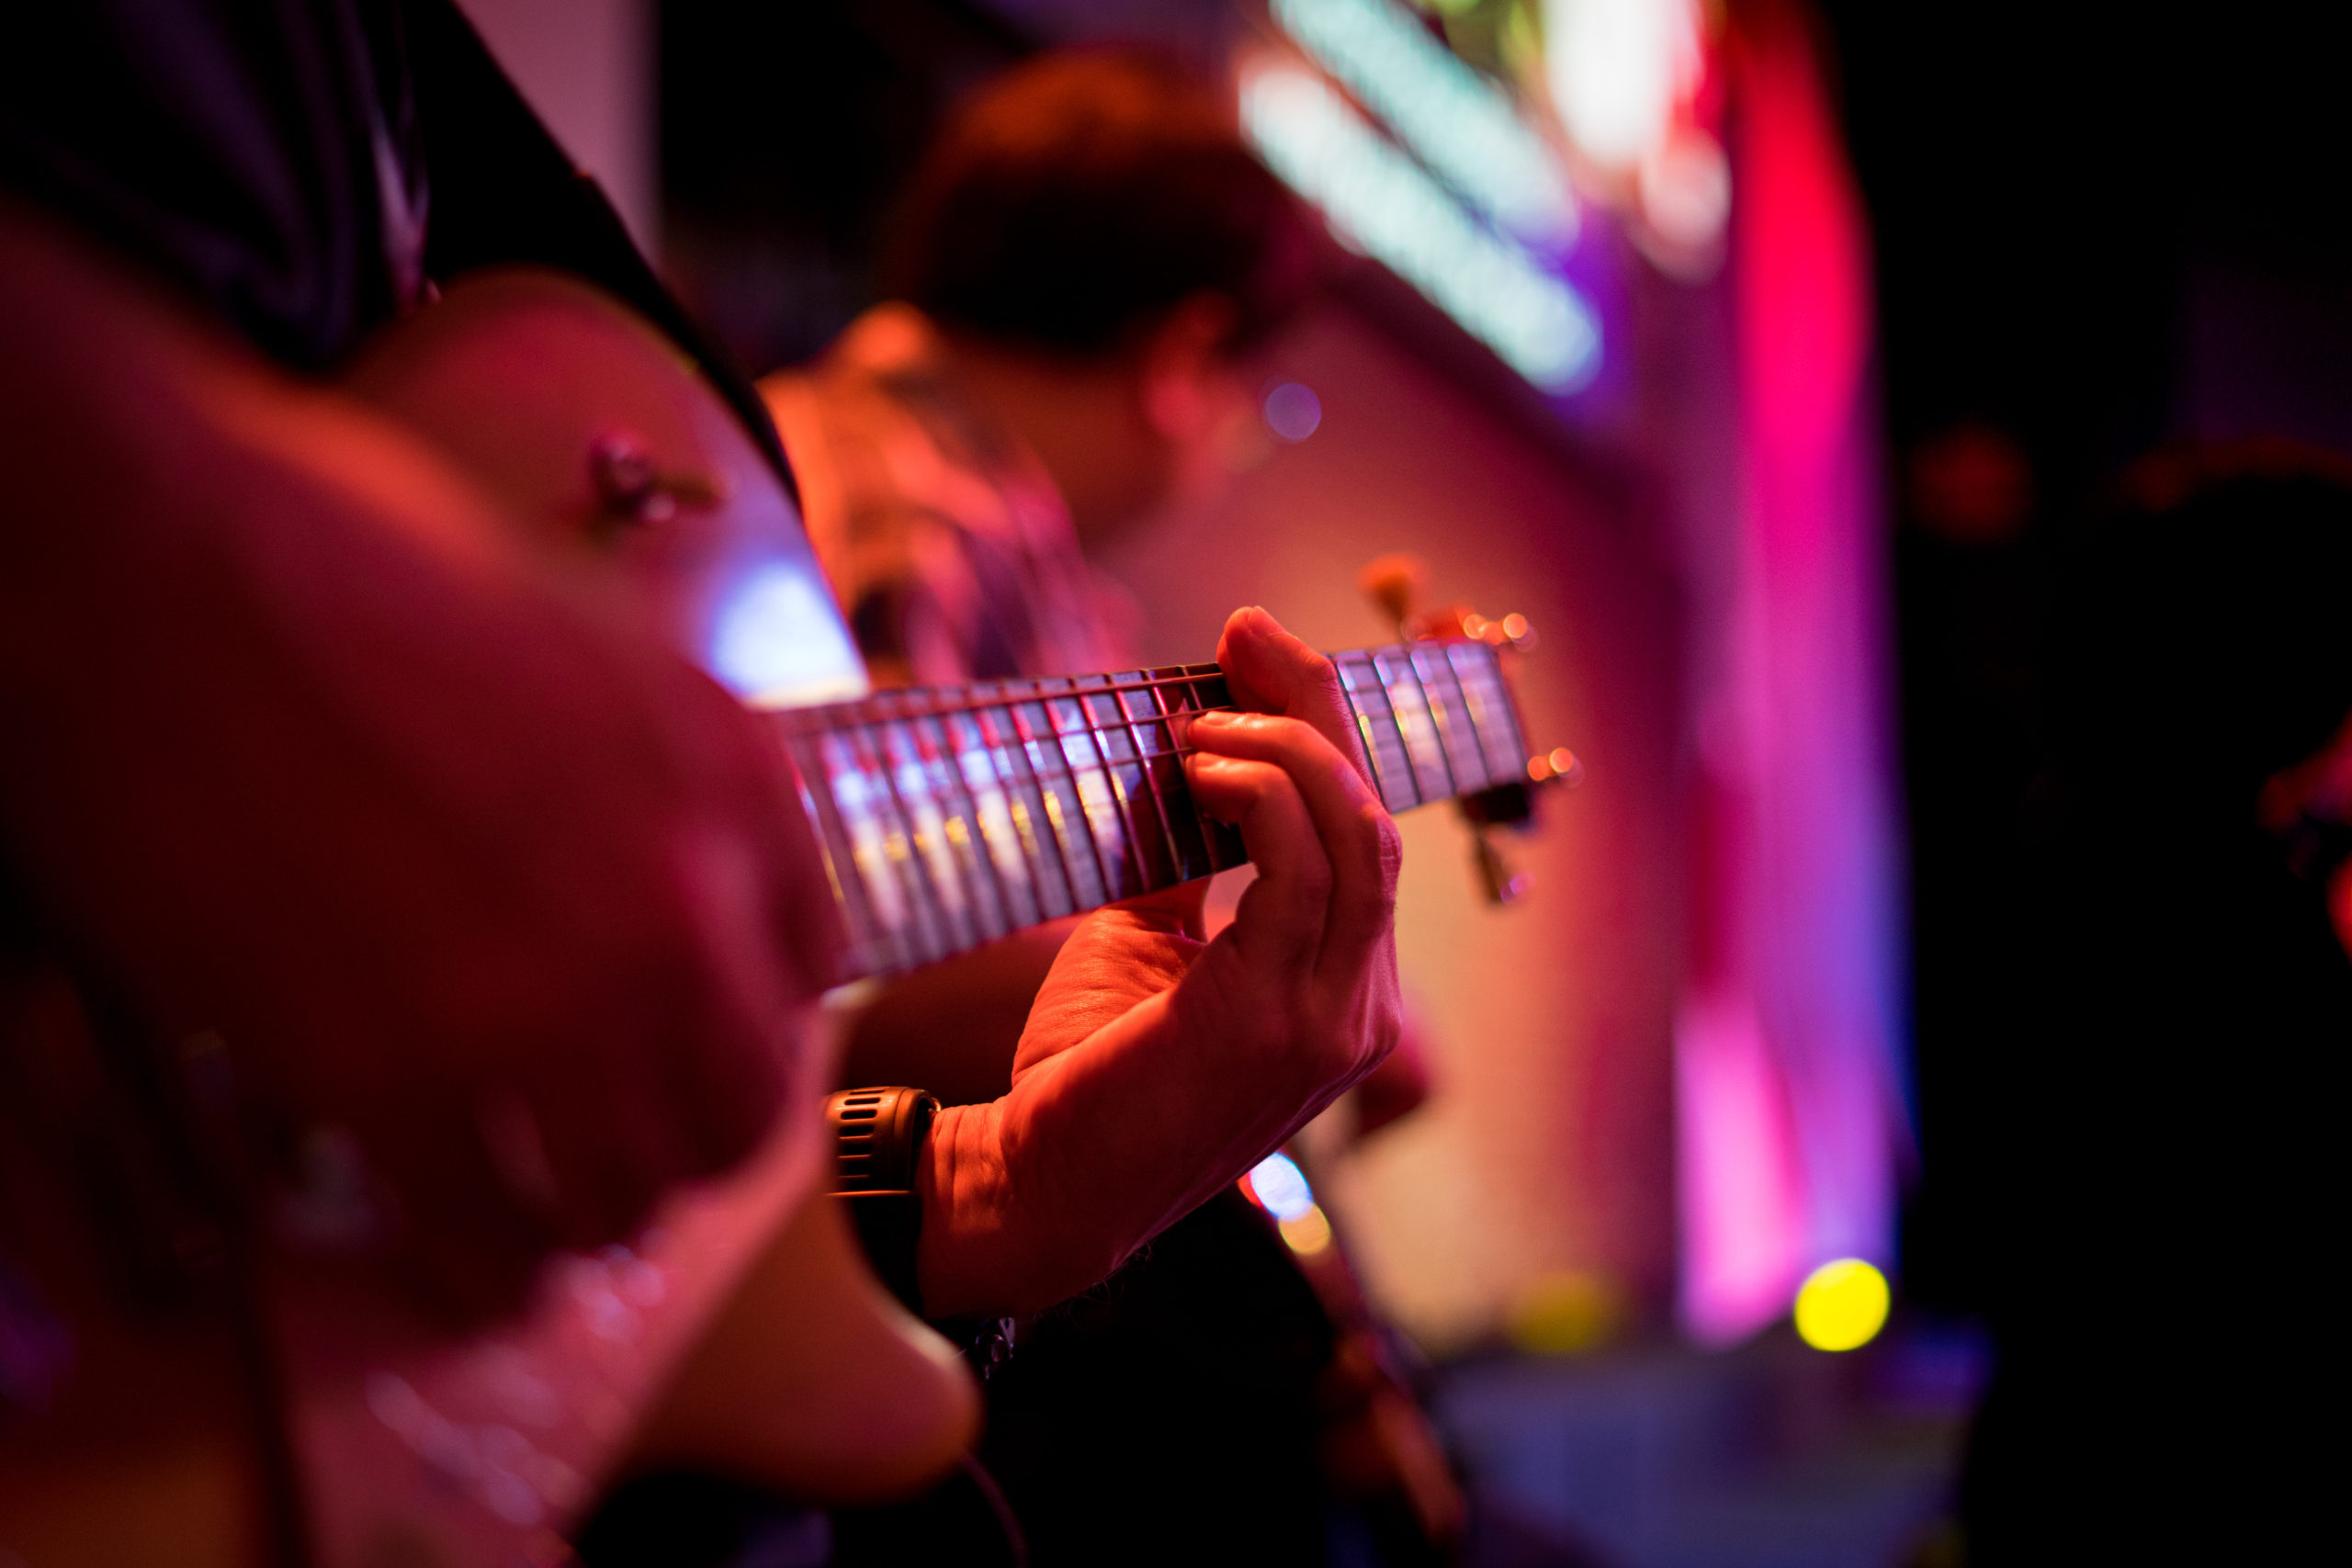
x,y
261,156
303,169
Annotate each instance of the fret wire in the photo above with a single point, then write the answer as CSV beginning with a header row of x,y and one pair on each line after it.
x,y
1142,729
869,839
1108,856
1443,717
1222,840
1490,720
942,700
1059,810
1038,827
1109,735
918,783
1396,721
908,915
1437,727
1341,668
982,896
978,853
840,860
1383,742
913,877
1012,859
1157,721
1383,732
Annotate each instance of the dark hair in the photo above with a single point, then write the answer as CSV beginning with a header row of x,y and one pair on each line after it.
x,y
1078,197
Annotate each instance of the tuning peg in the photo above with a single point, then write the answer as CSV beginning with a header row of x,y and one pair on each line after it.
x,y
1503,885
1395,584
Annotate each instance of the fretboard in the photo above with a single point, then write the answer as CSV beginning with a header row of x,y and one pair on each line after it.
x,y
951,818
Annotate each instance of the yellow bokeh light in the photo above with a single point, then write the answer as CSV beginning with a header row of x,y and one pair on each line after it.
x,y
1308,1233
1842,1305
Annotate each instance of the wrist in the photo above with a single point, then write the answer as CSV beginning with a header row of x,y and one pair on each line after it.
x,y
990,1243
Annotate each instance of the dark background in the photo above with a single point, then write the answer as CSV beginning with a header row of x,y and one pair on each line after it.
x,y
2098,228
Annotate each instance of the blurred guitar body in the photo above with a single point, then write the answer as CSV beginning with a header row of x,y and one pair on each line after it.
x,y
278,1398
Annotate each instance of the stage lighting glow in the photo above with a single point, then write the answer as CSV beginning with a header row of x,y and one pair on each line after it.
x,y
1842,1305
1565,1312
778,638
1381,202
1292,413
1280,1187
1616,68
1309,1234
1459,123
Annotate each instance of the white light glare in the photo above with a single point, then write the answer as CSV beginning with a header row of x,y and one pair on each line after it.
x,y
776,639
1461,124
1282,1190
1616,69
1381,201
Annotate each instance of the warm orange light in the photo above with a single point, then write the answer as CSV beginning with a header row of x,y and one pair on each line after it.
x,y
1308,1233
1558,763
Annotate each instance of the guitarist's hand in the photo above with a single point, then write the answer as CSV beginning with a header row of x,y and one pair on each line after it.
x,y
1155,1068
300,750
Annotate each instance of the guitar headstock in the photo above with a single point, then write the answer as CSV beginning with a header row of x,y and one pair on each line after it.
x,y
1395,586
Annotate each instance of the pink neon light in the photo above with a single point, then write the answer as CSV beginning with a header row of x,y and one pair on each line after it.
x,y
1785,1059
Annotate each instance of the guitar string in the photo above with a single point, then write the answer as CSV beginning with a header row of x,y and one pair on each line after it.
x,y
931,926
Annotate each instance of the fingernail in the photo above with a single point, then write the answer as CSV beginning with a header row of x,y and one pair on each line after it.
x,y
1215,717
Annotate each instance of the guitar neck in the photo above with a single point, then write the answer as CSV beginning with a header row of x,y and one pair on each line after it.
x,y
949,817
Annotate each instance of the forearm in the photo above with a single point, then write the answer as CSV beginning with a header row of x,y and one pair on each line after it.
x,y
1044,1193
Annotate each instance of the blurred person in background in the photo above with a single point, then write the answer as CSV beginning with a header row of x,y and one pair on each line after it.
x,y
2171,1187
1084,268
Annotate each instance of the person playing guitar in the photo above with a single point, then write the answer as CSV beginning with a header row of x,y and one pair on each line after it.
x,y
1083,271
427,861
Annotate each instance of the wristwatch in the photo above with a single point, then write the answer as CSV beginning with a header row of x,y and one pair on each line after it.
x,y
878,1138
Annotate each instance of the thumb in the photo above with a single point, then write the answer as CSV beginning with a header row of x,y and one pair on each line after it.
x,y
1114,959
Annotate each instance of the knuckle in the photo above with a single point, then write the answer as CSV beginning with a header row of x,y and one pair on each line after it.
x,y
1391,850
1323,674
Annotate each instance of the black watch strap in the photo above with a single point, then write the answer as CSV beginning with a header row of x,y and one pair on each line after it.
x,y
877,1141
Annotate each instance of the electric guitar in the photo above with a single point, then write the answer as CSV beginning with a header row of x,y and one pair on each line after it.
x,y
946,818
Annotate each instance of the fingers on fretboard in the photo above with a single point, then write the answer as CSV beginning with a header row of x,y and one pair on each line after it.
x,y
950,818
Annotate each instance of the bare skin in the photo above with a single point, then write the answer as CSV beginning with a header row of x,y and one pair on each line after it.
x,y
1118,432
305,750
1155,1068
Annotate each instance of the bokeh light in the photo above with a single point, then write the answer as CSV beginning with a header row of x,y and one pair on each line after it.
x,y
1565,1312
1292,413
1461,126
1842,1305
1381,202
1277,1186
1309,1234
